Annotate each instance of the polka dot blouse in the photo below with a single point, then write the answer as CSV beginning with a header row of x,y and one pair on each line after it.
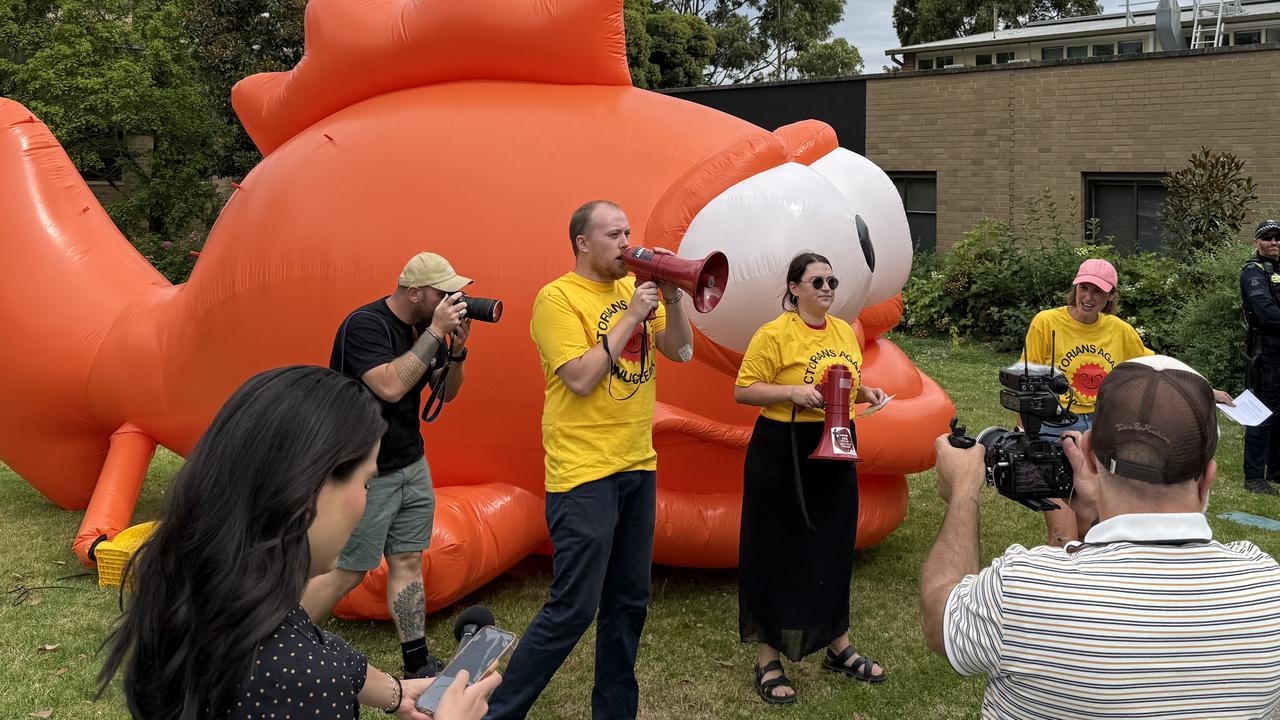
x,y
302,672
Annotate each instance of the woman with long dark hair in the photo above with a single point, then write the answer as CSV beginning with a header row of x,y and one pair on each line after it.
x,y
799,516
213,626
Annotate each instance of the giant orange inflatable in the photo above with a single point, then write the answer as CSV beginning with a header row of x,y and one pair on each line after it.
x,y
473,130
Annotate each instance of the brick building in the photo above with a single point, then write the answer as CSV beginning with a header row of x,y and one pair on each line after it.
x,y
974,141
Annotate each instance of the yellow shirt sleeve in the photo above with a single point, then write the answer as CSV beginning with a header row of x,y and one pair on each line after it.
x,y
761,361
1037,345
1133,346
557,330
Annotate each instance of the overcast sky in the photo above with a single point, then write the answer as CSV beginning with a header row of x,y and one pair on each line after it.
x,y
868,26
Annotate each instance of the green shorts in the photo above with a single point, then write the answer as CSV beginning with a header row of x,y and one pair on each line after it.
x,y
399,512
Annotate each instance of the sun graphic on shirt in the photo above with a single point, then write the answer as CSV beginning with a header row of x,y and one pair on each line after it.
x,y
632,349
1088,379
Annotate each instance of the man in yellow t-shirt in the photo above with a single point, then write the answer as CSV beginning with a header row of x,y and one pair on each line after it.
x,y
597,349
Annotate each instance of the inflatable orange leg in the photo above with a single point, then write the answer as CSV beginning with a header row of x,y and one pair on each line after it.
x,y
116,494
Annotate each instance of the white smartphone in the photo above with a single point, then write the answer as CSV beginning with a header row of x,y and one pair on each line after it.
x,y
479,656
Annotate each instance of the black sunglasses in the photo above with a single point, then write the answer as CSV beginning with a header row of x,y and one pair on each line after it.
x,y
832,283
1270,237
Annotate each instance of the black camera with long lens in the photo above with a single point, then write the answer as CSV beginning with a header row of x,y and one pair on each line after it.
x,y
1021,465
482,309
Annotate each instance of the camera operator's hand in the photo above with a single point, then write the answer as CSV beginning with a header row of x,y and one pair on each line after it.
x,y
460,335
961,471
1084,499
806,396
644,301
448,314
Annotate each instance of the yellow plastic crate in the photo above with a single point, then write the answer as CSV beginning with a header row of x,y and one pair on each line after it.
x,y
113,554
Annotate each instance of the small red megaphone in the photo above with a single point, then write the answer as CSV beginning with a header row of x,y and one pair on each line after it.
x,y
704,279
837,439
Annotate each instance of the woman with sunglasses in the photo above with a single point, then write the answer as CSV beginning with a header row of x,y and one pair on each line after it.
x,y
799,516
213,626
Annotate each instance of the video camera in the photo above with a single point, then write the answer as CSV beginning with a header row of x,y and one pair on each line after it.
x,y
1020,464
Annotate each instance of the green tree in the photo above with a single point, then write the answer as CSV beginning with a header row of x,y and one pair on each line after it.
x,y
922,21
777,40
666,48
1207,203
116,83
231,40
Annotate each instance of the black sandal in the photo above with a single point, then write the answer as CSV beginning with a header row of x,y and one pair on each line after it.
x,y
860,670
765,687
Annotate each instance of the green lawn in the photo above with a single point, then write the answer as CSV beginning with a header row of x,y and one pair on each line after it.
x,y
691,662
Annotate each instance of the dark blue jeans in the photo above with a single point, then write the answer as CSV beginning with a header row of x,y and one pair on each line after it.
x,y
603,537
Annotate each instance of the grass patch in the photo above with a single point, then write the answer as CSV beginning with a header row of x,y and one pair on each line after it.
x,y
691,663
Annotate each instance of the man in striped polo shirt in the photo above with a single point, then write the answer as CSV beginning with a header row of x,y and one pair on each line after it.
x,y
1148,616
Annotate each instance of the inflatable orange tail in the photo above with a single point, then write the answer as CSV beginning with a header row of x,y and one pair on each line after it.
x,y
52,433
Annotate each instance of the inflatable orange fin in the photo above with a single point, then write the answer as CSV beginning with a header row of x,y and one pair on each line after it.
x,y
348,58
58,311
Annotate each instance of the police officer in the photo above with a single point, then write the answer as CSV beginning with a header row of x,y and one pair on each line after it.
x,y
1260,296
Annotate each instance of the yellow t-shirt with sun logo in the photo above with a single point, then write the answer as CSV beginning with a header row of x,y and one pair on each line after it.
x,y
787,351
1084,353
590,437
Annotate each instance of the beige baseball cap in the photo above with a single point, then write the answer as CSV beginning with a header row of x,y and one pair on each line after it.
x,y
430,270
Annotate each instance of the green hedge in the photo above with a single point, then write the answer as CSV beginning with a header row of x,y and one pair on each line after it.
x,y
996,277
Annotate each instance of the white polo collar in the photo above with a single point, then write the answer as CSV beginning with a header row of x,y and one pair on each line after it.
x,y
1151,527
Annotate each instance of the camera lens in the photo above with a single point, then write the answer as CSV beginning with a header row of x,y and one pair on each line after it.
x,y
483,309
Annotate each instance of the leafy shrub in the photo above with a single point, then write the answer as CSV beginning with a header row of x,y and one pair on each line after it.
x,y
1207,203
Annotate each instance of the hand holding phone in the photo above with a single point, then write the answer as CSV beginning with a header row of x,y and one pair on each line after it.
x,y
476,659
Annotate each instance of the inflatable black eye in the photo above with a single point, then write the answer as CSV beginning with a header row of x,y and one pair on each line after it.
x,y
864,238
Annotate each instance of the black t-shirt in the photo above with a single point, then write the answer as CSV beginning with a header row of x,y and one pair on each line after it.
x,y
301,671
370,336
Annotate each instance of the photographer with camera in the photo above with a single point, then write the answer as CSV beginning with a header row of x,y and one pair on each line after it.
x,y
1148,616
1260,297
396,346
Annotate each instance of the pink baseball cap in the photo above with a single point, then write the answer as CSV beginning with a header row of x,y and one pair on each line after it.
x,y
1099,272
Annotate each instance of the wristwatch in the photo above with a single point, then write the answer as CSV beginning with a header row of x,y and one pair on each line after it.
x,y
460,358
674,299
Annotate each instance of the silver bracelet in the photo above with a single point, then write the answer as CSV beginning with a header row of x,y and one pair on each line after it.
x,y
393,707
676,299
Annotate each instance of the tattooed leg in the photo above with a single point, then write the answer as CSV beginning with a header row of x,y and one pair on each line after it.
x,y
405,598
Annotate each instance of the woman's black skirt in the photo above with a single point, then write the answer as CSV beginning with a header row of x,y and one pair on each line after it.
x,y
793,581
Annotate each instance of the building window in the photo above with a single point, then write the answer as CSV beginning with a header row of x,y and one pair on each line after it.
x,y
1131,47
1247,37
1004,57
1051,53
1078,51
919,191
1273,35
945,61
1104,49
1128,209
924,64
982,59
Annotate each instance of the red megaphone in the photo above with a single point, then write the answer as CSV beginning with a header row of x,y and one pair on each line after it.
x,y
704,279
837,439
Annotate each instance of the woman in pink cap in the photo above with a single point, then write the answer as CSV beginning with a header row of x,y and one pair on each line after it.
x,y
1083,340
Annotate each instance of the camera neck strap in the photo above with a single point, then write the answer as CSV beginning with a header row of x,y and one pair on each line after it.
x,y
435,401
